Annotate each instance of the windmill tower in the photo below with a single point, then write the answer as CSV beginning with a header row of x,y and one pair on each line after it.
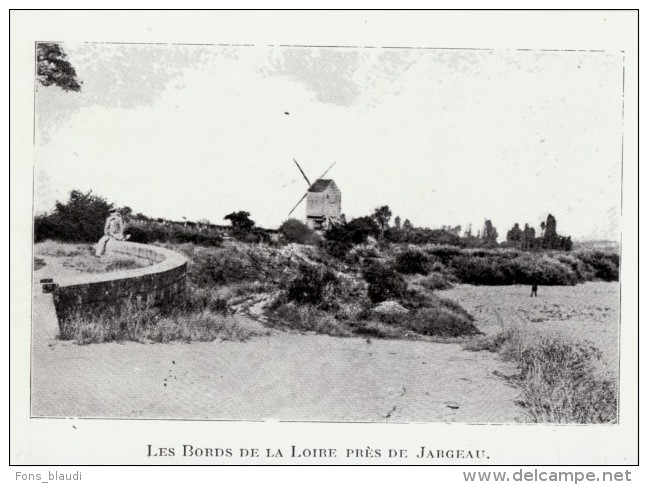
x,y
323,201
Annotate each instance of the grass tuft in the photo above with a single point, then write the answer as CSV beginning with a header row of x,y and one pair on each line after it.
x,y
560,381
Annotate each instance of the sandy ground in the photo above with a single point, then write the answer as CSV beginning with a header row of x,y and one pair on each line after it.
x,y
583,313
282,376
307,377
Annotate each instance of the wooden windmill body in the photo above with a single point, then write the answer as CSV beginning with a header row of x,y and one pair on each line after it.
x,y
323,201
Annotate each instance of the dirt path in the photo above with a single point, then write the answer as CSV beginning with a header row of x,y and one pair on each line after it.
x,y
283,376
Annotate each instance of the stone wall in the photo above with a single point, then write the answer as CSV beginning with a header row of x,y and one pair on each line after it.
x,y
165,280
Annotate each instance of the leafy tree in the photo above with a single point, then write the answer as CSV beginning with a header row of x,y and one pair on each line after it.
x,y
360,228
528,237
456,230
80,219
384,283
397,223
489,235
240,221
407,224
514,235
382,215
412,262
312,285
296,231
53,68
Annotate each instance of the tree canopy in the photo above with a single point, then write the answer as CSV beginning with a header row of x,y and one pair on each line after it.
x,y
240,221
53,68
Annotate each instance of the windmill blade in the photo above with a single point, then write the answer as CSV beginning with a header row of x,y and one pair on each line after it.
x,y
327,170
302,172
297,204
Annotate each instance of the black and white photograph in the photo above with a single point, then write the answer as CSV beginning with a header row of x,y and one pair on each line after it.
x,y
379,233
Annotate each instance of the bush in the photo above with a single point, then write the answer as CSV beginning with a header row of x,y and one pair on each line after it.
x,y
430,315
306,318
314,285
423,236
441,321
561,381
220,267
141,322
384,283
560,384
80,219
412,262
296,231
337,249
604,265
435,281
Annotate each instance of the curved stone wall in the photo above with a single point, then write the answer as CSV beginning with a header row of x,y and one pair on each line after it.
x,y
165,280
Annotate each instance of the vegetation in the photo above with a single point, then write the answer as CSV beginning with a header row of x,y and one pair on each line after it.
x,y
295,231
53,68
80,219
142,322
412,262
384,283
381,280
148,231
560,381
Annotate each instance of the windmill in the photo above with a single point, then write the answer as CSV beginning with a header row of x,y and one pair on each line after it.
x,y
323,201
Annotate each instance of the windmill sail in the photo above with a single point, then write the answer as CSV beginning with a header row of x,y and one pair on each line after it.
x,y
302,172
326,171
297,204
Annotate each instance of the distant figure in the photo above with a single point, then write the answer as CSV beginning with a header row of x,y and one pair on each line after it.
x,y
114,229
534,289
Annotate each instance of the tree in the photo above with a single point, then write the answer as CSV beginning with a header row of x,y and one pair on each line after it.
x,y
528,237
360,228
240,221
355,231
297,232
80,219
489,235
397,223
382,215
514,235
52,67
407,224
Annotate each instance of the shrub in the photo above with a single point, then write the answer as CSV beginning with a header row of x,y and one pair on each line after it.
x,y
314,285
337,249
560,384
441,321
147,233
142,322
306,318
220,267
296,231
443,253
430,315
561,381
604,265
435,281
359,229
412,262
384,283
80,219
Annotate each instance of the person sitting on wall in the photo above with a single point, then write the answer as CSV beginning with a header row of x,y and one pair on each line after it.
x,y
114,229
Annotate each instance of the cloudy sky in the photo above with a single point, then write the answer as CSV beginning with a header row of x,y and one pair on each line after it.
x,y
442,136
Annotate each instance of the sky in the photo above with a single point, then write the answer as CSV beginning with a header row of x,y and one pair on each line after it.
x,y
442,136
